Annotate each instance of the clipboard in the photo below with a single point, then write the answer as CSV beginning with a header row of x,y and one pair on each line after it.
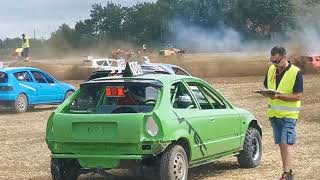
x,y
267,91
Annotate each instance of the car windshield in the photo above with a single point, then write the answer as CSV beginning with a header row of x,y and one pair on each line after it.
x,y
100,63
3,77
115,98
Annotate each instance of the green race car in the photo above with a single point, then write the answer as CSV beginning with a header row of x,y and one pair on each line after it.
x,y
168,122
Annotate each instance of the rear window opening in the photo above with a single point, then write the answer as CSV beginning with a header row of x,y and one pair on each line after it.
x,y
3,77
115,98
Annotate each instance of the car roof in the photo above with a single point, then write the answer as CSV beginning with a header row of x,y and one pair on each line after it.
x,y
164,78
165,66
100,59
159,64
15,69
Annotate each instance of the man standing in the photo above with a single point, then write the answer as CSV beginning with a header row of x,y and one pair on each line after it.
x,y
283,109
26,47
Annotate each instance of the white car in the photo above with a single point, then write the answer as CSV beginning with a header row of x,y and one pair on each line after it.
x,y
104,64
147,68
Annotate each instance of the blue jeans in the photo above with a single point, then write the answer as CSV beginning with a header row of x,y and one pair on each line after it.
x,y
284,131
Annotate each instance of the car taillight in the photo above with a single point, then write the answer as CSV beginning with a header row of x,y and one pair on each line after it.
x,y
6,88
115,91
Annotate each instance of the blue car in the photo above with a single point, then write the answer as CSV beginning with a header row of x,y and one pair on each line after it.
x,y
23,87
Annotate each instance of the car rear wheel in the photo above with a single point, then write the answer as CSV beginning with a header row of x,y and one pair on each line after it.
x,y
174,164
21,104
250,156
64,169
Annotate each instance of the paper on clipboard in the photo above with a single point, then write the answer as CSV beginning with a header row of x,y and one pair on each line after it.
x,y
266,91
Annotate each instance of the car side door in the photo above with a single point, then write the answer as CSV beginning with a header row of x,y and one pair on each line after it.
x,y
225,124
26,84
46,91
190,118
56,87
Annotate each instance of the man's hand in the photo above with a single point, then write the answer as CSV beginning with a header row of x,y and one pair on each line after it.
x,y
271,96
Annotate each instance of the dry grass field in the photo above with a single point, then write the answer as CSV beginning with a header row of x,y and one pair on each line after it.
x,y
24,154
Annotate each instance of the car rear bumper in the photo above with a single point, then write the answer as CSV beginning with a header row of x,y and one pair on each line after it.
x,y
103,161
74,156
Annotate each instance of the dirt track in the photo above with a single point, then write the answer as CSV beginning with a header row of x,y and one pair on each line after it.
x,y
200,65
24,154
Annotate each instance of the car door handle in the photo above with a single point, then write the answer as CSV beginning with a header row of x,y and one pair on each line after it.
x,y
212,119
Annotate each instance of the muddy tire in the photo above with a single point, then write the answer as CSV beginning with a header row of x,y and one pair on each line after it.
x,y
64,169
174,164
21,103
250,156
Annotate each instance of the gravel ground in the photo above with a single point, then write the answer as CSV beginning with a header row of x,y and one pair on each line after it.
x,y
24,154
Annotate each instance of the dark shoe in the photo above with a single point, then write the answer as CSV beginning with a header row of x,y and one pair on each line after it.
x,y
287,175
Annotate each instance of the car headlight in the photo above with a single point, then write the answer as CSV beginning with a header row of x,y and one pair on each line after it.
x,y
152,127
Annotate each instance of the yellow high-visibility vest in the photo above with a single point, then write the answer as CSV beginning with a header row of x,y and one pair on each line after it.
x,y
25,44
279,108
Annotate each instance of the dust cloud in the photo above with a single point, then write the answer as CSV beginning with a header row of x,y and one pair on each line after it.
x,y
215,40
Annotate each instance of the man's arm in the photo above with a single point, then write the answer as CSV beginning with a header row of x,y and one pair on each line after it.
x,y
285,97
289,97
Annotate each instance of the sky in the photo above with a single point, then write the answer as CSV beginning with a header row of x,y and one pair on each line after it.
x,y
45,16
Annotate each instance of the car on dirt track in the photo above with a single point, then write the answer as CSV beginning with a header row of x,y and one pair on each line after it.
x,y
22,88
308,64
168,51
167,122
106,64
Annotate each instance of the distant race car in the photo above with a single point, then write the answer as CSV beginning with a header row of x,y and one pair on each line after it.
x,y
22,88
103,64
118,54
168,51
308,63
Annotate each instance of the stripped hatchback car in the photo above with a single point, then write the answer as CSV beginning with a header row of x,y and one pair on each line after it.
x,y
22,88
168,122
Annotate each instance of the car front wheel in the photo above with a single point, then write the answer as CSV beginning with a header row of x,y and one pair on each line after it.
x,y
21,104
174,164
64,169
250,156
